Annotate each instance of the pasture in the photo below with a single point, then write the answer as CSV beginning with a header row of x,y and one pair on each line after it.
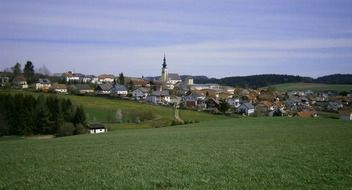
x,y
242,153
312,86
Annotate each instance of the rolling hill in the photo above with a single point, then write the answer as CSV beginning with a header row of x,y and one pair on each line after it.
x,y
313,86
104,109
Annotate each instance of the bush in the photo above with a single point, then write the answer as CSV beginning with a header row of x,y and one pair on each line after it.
x,y
66,129
160,123
176,122
80,129
138,116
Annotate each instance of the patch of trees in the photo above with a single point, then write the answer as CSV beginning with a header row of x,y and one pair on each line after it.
x,y
256,81
135,116
335,79
27,115
253,81
29,72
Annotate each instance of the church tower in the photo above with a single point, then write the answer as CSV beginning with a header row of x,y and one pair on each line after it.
x,y
164,73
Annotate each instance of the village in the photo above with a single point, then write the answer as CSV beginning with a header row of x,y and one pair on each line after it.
x,y
170,90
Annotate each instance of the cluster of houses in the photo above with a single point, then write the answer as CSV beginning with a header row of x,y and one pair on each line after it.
x,y
169,89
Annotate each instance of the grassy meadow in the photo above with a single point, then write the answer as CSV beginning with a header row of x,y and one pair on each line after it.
x,y
242,153
312,86
103,109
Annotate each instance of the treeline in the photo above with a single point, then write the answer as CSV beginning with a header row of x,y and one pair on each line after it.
x,y
26,115
253,81
335,79
256,81
29,72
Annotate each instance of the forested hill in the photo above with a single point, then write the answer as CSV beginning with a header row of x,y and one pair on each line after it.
x,y
335,79
255,81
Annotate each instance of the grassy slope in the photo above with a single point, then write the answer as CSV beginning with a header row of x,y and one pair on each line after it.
x,y
312,86
98,108
246,153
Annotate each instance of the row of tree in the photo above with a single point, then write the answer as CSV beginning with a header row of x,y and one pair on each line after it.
x,y
29,72
27,115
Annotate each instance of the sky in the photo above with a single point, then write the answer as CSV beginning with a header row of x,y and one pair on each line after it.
x,y
216,38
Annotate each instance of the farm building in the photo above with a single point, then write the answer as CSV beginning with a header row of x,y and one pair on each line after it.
x,y
95,128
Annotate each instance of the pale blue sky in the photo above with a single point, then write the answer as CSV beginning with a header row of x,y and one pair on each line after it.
x,y
216,38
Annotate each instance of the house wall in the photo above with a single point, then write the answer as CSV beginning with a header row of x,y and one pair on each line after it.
x,y
250,111
152,99
102,92
61,90
39,86
234,102
106,80
139,94
86,91
68,79
96,131
122,92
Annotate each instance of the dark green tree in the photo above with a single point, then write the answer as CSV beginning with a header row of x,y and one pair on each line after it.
x,y
4,126
56,115
16,69
28,71
67,109
42,115
79,117
224,106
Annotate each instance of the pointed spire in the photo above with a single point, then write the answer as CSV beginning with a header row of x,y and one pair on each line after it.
x,y
164,61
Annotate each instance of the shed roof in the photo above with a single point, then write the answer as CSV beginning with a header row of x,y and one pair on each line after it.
x,y
96,126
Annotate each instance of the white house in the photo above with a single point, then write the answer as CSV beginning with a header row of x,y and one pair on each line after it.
x,y
82,89
71,76
174,78
159,97
59,88
119,90
105,78
103,89
234,102
246,108
189,80
43,85
97,128
20,82
140,93
88,79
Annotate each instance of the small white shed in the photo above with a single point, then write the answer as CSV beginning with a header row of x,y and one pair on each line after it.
x,y
97,128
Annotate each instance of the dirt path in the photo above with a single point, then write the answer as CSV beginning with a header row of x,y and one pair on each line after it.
x,y
177,116
40,137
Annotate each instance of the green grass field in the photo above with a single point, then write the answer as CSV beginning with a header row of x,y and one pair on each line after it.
x,y
312,86
245,153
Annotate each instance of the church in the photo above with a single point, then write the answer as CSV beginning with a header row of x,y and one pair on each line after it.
x,y
168,80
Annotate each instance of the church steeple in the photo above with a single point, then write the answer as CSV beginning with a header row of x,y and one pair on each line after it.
x,y
164,62
164,74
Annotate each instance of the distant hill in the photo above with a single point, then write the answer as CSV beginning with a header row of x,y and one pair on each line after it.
x,y
256,81
312,86
335,79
